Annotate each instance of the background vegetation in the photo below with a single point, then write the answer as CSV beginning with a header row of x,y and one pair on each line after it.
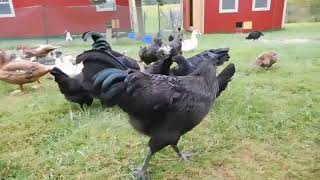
x,y
266,126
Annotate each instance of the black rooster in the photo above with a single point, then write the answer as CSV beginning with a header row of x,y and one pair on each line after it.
x,y
161,107
255,35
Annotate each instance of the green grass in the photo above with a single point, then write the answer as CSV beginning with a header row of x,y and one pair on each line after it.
x,y
266,126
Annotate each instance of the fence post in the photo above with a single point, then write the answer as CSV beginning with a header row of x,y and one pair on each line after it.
x,y
172,20
159,34
45,22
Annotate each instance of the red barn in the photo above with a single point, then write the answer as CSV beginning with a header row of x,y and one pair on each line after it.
x,y
210,16
32,18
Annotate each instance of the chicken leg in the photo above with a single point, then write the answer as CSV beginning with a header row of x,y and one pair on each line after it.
x,y
141,173
156,143
182,156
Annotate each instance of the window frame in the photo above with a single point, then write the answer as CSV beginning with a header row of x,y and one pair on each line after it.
x,y
12,14
100,9
235,10
268,8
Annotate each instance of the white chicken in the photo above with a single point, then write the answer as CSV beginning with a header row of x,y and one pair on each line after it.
x,y
68,36
67,64
192,43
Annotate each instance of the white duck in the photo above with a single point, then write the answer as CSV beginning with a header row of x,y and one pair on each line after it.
x,y
68,36
67,64
192,43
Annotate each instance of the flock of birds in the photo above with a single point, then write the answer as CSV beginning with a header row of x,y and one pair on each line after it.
x,y
162,102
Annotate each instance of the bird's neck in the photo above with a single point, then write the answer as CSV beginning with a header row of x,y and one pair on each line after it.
x,y
194,36
207,70
184,64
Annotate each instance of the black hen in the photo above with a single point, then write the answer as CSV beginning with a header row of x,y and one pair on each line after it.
x,y
152,53
161,107
187,66
255,35
175,42
72,88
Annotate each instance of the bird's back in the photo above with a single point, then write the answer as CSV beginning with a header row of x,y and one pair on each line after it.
x,y
164,103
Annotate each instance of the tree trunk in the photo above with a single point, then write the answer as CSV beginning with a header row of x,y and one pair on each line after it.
x,y
140,18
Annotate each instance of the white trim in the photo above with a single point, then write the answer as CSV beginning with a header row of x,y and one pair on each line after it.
x,y
284,13
229,10
130,14
181,9
100,9
203,15
261,9
13,14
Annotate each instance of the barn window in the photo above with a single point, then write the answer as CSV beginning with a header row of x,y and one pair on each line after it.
x,y
261,5
109,5
228,6
6,8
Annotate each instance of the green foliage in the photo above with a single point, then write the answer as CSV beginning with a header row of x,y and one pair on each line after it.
x,y
264,126
303,11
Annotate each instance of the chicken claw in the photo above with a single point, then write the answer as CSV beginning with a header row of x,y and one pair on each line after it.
x,y
140,174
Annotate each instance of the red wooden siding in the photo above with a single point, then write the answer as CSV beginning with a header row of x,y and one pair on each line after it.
x,y
226,22
47,17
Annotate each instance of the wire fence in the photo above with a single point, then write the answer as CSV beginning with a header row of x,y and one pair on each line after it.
x,y
48,21
115,21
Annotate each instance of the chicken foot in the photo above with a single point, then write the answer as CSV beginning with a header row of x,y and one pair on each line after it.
x,y
182,156
141,173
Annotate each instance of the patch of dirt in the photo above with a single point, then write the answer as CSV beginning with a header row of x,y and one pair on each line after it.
x,y
297,41
225,173
292,40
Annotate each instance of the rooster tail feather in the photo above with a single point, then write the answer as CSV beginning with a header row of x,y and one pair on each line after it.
x,y
225,77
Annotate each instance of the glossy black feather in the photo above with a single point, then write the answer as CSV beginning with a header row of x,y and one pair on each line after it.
x,y
100,44
164,106
160,67
187,66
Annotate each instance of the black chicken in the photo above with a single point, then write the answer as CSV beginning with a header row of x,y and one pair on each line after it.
x,y
162,107
160,67
77,89
171,36
72,88
187,66
175,42
149,54
255,35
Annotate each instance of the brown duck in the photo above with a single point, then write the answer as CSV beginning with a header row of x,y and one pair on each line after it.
x,y
266,60
20,71
38,52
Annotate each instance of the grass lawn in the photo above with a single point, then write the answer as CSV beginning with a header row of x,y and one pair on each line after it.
x,y
266,126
